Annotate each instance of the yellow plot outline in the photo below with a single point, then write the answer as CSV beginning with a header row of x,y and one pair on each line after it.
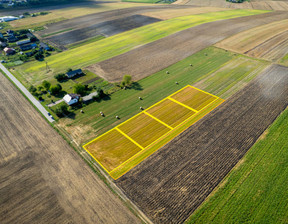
x,y
158,120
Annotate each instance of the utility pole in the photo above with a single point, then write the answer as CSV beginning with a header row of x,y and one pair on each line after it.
x,y
47,67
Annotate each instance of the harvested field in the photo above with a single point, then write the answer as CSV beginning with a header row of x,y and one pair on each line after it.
x,y
260,5
123,42
65,12
126,145
42,179
150,58
174,181
96,18
269,41
171,13
106,29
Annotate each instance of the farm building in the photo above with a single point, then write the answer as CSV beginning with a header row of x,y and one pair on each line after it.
x,y
71,74
12,38
9,51
26,47
23,42
8,18
71,98
44,46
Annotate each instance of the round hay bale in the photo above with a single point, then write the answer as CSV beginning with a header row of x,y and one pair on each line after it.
x,y
167,72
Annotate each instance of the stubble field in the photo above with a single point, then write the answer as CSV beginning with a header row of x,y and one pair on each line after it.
x,y
269,41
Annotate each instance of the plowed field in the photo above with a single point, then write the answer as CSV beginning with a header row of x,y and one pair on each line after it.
x,y
42,179
269,41
174,181
150,58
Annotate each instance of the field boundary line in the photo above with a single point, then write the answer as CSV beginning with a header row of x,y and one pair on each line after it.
x,y
97,160
164,136
150,115
182,104
129,138
203,91
98,137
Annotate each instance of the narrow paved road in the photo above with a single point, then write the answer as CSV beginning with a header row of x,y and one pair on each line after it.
x,y
27,94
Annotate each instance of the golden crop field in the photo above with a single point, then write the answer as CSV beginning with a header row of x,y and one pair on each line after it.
x,y
126,145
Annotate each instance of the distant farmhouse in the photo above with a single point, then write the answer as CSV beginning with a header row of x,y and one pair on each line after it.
x,y
71,98
9,51
8,18
23,42
71,74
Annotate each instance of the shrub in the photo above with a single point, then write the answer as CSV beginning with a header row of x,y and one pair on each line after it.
x,y
60,77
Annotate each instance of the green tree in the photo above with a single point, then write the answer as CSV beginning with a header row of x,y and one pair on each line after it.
x,y
60,77
46,84
32,89
79,89
126,81
61,110
55,89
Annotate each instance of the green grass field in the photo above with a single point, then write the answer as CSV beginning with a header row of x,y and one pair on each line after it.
x,y
152,89
284,60
256,190
121,43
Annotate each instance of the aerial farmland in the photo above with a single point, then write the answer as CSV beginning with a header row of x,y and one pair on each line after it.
x,y
144,111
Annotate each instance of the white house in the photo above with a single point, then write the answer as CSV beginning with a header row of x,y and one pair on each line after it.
x,y
71,98
8,18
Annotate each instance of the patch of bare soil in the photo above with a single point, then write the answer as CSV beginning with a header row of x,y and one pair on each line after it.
x,y
42,179
199,158
106,29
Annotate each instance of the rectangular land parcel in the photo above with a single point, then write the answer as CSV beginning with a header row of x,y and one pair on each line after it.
x,y
126,145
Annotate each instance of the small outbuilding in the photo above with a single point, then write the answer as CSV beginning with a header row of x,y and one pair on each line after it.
x,y
22,42
71,74
71,98
26,47
9,51
45,47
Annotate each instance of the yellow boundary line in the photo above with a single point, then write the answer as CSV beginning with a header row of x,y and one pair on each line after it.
x,y
163,136
136,143
203,91
182,104
150,115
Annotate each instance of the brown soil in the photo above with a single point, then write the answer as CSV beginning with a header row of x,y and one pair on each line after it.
x,y
169,185
150,58
96,18
42,179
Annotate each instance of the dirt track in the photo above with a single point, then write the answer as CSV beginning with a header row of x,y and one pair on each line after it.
x,y
175,180
148,59
42,179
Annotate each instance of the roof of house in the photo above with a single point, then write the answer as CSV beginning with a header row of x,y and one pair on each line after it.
x,y
68,97
75,72
43,45
28,46
8,49
23,42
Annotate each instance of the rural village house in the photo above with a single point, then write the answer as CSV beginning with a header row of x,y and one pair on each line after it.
x,y
9,51
71,74
71,98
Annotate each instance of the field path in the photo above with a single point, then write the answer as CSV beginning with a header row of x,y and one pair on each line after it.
x,y
153,57
174,181
42,179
